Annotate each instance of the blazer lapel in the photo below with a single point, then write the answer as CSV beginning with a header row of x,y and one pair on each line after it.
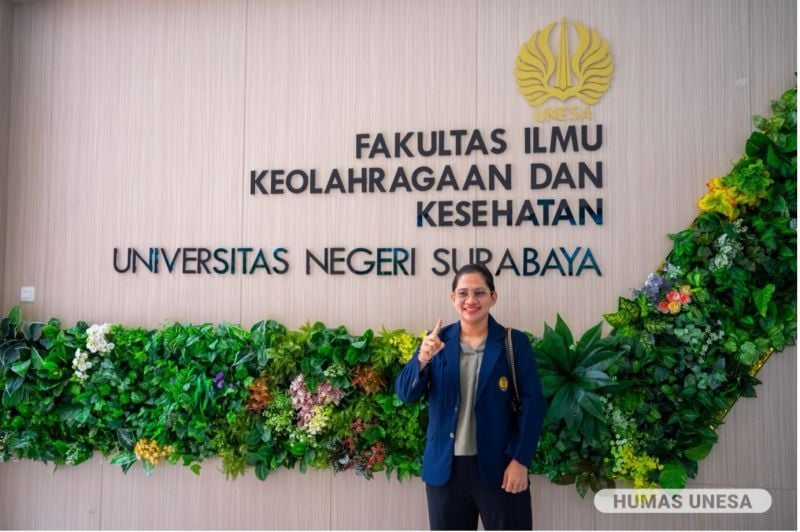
x,y
494,348
452,360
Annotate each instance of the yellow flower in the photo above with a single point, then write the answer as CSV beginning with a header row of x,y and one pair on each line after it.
x,y
674,307
406,344
715,184
149,451
634,468
720,200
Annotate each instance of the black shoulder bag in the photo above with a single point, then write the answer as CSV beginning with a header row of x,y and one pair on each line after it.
x,y
516,405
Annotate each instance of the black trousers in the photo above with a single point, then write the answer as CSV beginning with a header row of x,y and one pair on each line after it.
x,y
457,504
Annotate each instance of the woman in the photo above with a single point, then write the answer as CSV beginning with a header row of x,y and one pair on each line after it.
x,y
477,449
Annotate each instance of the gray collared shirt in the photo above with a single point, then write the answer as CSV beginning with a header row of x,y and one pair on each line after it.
x,y
470,364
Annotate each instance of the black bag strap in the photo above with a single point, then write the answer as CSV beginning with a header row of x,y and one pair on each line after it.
x,y
516,405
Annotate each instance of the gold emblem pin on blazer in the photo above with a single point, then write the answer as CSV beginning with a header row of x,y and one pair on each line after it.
x,y
502,383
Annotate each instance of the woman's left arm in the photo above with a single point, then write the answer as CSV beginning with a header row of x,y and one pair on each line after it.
x,y
525,439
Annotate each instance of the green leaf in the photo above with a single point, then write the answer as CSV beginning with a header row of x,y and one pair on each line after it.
x,y
627,331
631,308
298,448
655,325
124,458
387,403
597,359
262,356
353,356
36,360
673,476
15,315
756,145
195,468
762,298
582,485
588,338
373,433
791,143
748,354
21,368
593,379
553,345
551,383
695,278
12,394
563,330
591,403
262,471
125,439
618,319
278,458
563,406
699,452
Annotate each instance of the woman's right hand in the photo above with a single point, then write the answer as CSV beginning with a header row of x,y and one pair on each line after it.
x,y
431,345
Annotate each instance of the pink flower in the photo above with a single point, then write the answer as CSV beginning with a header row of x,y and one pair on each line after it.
x,y
663,306
685,299
673,295
304,401
327,394
376,454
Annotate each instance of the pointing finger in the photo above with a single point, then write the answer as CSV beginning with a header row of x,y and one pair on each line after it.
x,y
437,328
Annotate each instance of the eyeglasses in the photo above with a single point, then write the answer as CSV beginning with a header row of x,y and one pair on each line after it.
x,y
477,293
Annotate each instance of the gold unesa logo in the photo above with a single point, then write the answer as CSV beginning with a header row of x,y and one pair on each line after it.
x,y
586,74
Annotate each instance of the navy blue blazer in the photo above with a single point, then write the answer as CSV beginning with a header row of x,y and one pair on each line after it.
x,y
501,434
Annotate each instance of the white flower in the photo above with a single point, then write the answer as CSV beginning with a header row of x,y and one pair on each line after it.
x,y
96,341
81,364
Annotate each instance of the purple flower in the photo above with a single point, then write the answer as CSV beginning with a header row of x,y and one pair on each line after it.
x,y
653,286
219,380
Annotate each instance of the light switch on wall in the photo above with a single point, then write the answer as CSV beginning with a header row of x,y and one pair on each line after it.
x,y
27,294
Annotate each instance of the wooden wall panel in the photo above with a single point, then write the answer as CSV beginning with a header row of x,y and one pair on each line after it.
x,y
150,142
379,504
773,52
34,496
175,498
758,440
367,68
30,151
6,42
657,154
136,123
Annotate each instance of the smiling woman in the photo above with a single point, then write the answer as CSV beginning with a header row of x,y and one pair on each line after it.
x,y
481,436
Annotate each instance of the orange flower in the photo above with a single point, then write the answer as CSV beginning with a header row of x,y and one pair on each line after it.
x,y
367,379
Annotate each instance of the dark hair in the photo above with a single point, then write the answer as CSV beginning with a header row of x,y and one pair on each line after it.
x,y
475,268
